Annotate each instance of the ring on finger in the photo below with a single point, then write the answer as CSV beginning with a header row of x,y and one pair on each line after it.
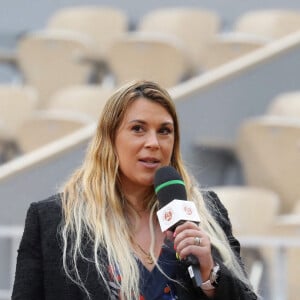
x,y
197,241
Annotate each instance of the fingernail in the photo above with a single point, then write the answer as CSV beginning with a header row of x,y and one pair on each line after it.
x,y
174,234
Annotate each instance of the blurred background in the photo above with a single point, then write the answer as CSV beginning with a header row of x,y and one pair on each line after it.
x,y
233,70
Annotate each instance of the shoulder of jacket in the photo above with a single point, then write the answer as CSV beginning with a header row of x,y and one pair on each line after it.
x,y
52,201
50,205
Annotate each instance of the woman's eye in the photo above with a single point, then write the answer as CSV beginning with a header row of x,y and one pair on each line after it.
x,y
137,128
165,130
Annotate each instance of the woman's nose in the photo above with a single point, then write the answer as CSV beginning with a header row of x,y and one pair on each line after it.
x,y
152,140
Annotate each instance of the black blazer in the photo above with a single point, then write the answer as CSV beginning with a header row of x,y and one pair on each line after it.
x,y
40,276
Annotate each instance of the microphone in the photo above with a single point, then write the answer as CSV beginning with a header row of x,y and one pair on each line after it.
x,y
174,209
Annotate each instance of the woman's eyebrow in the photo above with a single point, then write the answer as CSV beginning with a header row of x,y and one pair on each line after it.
x,y
168,123
137,121
144,122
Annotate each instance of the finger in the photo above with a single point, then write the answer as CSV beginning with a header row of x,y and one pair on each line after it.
x,y
187,247
189,233
195,241
186,225
192,244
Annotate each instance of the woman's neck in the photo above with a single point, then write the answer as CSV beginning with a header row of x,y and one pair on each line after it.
x,y
138,200
142,239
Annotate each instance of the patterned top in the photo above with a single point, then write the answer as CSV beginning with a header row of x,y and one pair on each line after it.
x,y
155,285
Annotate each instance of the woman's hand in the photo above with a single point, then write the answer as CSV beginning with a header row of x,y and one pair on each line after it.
x,y
189,238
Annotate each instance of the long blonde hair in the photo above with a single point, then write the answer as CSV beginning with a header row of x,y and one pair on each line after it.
x,y
94,210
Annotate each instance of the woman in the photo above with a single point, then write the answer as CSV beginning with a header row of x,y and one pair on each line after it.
x,y
100,238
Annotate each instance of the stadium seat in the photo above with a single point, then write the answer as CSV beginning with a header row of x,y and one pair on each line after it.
x,y
103,24
88,99
51,60
224,48
148,56
268,148
286,104
253,212
17,102
269,23
44,127
194,26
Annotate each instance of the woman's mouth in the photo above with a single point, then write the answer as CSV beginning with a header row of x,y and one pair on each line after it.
x,y
150,162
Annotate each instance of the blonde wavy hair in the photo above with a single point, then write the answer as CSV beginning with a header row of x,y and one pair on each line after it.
x,y
95,212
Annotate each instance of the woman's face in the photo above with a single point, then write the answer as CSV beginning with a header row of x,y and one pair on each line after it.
x,y
144,142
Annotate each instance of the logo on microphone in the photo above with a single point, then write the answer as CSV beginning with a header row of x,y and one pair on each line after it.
x,y
188,210
168,215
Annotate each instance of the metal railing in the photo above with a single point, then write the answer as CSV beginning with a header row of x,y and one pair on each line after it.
x,y
280,245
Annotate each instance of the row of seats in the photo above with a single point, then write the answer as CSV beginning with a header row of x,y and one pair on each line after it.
x,y
193,26
65,17
86,44
51,60
197,29
79,44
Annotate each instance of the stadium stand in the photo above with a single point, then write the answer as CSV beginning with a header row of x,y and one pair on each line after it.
x,y
211,107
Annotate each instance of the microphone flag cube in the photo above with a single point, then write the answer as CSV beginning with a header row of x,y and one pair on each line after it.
x,y
175,212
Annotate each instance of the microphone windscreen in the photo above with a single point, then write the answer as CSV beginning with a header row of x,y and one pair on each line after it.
x,y
168,186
